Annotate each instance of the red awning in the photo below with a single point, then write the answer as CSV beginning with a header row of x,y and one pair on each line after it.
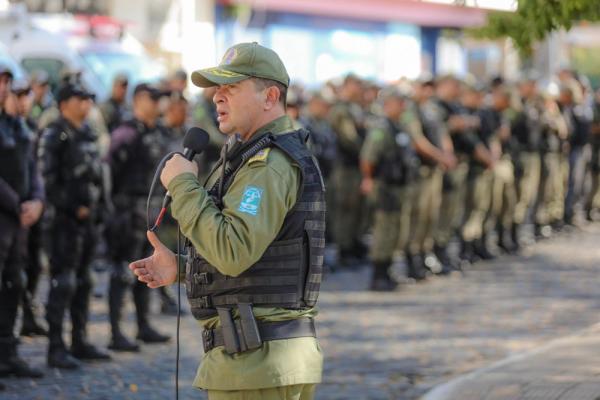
x,y
408,11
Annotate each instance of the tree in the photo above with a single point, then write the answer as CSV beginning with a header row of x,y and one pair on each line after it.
x,y
535,19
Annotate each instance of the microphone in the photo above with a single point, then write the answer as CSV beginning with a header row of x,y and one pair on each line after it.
x,y
194,142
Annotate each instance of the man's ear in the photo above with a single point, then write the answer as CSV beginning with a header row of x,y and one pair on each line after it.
x,y
272,97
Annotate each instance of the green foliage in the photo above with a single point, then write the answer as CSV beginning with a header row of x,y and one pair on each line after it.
x,y
534,19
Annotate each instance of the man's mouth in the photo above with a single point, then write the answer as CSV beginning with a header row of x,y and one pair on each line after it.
x,y
221,115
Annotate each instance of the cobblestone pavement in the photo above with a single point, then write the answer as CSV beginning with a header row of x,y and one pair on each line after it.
x,y
564,369
377,345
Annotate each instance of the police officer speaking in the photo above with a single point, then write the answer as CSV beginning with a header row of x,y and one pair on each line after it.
x,y
256,238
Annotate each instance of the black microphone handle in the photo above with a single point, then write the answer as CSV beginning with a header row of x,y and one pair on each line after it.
x,y
189,155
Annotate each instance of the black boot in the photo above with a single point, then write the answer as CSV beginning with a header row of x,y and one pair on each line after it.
x,y
448,264
148,334
2,387
381,280
415,267
120,282
120,342
87,351
467,253
503,243
514,236
480,249
31,327
12,364
59,357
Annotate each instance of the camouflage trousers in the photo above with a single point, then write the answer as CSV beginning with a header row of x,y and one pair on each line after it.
x,y
453,204
391,221
527,184
504,195
550,204
427,194
478,204
348,207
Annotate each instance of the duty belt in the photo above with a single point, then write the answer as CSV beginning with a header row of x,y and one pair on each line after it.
x,y
238,337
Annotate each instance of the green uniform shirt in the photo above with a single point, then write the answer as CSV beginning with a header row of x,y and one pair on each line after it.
x,y
232,240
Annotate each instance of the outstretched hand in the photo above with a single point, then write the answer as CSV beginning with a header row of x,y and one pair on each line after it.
x,y
160,269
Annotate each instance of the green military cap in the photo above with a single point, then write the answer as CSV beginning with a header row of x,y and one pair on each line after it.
x,y
242,61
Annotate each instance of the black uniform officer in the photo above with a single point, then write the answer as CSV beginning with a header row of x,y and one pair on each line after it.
x,y
70,160
21,197
136,148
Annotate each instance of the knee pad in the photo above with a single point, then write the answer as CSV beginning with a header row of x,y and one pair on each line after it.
x,y
120,275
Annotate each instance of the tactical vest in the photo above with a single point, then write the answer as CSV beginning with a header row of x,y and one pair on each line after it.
x,y
288,274
80,163
398,163
432,125
140,159
15,145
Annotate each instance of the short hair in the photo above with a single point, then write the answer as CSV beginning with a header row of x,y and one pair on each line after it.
x,y
263,83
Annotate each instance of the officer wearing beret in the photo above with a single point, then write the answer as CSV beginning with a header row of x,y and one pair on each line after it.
x,y
256,236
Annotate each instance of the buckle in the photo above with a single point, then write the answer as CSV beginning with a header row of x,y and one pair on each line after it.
x,y
203,278
205,302
207,340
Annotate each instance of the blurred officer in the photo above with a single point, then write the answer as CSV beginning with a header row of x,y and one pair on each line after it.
x,y
480,176
21,197
578,116
527,130
388,165
256,239
42,98
434,147
322,143
464,142
550,206
71,167
178,81
348,121
115,109
33,269
136,148
593,200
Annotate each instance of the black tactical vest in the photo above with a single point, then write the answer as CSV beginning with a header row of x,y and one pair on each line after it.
x,y
139,158
15,148
399,163
288,274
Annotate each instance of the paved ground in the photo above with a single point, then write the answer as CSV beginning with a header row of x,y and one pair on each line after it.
x,y
380,346
564,369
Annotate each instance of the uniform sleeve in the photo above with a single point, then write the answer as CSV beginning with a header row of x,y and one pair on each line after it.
x,y
255,205
50,159
345,130
373,146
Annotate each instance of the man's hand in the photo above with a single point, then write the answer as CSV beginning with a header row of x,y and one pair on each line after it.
x,y
366,185
177,165
31,211
82,213
160,269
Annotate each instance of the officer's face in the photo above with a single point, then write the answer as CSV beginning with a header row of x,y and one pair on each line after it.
x,y
145,105
238,106
76,108
393,107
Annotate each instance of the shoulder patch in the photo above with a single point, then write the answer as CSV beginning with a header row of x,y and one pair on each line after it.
x,y
260,156
251,198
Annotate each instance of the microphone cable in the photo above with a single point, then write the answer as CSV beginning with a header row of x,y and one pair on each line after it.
x,y
153,228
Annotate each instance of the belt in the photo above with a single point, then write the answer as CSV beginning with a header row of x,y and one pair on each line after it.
x,y
295,328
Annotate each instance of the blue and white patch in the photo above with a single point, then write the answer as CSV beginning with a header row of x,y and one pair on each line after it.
x,y
251,200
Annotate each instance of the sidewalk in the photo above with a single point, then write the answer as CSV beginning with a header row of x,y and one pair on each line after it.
x,y
564,369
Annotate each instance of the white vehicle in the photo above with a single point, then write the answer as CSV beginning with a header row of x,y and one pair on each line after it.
x,y
95,46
